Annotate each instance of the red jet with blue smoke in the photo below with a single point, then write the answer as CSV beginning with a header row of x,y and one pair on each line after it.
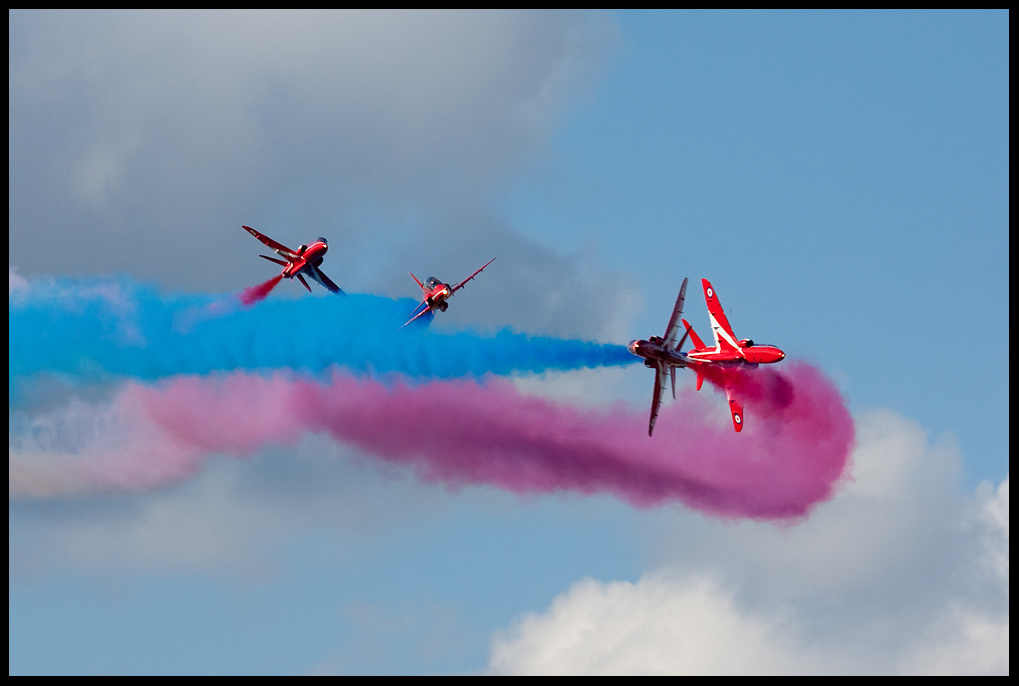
x,y
436,293
665,355
305,261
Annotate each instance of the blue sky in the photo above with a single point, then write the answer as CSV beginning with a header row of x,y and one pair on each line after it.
x,y
842,178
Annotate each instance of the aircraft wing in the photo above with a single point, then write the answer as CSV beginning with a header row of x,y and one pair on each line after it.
x,y
661,383
278,247
323,280
423,312
464,282
725,339
673,329
736,408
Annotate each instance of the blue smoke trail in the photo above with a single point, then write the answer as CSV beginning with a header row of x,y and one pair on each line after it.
x,y
93,330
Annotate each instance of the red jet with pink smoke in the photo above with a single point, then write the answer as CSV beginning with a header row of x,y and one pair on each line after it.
x,y
305,261
721,365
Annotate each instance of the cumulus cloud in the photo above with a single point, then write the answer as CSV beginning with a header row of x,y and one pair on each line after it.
x,y
391,101
656,626
141,141
897,574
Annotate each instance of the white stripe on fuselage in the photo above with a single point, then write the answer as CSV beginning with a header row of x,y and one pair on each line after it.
x,y
717,329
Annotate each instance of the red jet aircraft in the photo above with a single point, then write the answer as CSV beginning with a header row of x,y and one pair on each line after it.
x,y
665,354
436,293
303,261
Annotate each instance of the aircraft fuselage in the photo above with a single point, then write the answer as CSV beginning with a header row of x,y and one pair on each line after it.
x,y
437,293
654,352
306,255
748,353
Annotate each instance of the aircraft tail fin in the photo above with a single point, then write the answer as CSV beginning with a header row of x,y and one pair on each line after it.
x,y
725,339
420,285
700,380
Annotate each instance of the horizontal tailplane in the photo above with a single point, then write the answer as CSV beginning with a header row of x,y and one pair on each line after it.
x,y
273,259
697,342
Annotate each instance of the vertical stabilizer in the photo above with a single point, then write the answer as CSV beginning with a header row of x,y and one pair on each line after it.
x,y
725,339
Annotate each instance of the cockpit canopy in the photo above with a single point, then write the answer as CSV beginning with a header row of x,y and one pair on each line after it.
x,y
322,240
431,282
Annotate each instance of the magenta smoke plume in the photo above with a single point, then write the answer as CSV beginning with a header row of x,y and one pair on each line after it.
x,y
250,296
789,458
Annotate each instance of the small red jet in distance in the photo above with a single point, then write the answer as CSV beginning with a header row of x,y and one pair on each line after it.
x,y
303,261
437,293
665,354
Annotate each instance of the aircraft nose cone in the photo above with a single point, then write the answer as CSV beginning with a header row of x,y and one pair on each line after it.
x,y
632,347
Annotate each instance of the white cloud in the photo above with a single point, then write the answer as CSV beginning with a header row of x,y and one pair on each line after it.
x,y
969,638
656,626
232,518
592,387
15,281
141,141
164,116
897,574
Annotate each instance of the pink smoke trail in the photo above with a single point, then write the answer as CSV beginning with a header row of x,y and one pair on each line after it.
x,y
250,296
789,458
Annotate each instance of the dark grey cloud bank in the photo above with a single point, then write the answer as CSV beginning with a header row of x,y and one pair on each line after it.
x,y
140,141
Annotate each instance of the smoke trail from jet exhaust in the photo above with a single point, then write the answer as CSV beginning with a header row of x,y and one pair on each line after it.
x,y
89,331
254,294
790,456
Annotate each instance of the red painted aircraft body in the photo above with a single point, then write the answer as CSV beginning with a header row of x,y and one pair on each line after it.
x,y
304,261
437,293
666,355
